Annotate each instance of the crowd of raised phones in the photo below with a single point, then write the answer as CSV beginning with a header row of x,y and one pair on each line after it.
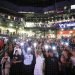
x,y
39,57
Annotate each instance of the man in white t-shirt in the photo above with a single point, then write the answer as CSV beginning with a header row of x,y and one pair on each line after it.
x,y
18,49
28,62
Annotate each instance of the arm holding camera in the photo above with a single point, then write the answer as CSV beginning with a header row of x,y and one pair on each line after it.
x,y
3,60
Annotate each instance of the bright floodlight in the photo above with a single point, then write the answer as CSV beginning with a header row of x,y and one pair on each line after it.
x,y
22,43
53,47
66,43
29,49
72,6
35,44
46,47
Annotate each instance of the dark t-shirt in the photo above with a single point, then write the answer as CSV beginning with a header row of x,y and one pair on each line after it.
x,y
51,66
4,65
17,57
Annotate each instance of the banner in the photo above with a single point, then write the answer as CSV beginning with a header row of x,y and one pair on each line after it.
x,y
65,25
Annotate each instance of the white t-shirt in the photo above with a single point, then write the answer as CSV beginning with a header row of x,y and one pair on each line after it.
x,y
28,58
39,66
18,49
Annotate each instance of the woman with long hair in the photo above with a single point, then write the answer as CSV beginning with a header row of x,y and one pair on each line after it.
x,y
39,66
65,63
5,63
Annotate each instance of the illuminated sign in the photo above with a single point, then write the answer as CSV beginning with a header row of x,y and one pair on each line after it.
x,y
72,6
67,25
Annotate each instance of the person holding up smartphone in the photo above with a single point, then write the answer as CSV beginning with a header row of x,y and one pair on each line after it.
x,y
5,64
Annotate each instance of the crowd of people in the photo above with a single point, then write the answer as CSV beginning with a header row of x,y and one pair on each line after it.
x,y
39,57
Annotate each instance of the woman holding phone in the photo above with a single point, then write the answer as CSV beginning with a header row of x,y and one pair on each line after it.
x,y
5,64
